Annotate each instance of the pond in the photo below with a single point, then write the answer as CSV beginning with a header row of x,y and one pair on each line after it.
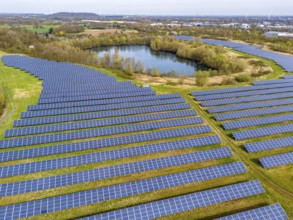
x,y
166,63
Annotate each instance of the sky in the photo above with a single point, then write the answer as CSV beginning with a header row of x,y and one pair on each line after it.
x,y
152,7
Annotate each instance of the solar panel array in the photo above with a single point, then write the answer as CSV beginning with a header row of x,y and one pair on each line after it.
x,y
270,212
285,61
88,197
183,203
52,138
98,123
108,172
272,100
277,160
79,103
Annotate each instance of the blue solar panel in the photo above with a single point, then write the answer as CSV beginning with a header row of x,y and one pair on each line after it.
x,y
88,197
271,212
98,123
269,144
277,160
94,97
257,121
112,171
246,99
183,203
80,146
261,132
251,113
250,105
101,102
265,91
52,112
264,82
97,115
51,138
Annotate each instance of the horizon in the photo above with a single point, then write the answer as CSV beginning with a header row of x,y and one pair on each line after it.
x,y
153,8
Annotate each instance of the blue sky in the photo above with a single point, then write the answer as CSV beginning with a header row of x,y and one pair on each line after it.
x,y
152,7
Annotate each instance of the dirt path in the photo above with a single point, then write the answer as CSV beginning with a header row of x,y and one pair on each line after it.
x,y
252,167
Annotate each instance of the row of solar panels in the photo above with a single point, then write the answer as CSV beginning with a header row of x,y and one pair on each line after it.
x,y
98,123
98,115
102,102
244,94
270,161
52,112
103,143
149,210
94,92
59,137
110,171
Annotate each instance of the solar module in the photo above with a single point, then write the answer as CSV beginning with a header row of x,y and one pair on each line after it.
x,y
183,203
261,132
252,113
257,121
250,105
109,172
269,144
277,160
255,92
59,137
98,115
270,212
101,102
73,200
94,97
116,141
74,110
98,123
246,99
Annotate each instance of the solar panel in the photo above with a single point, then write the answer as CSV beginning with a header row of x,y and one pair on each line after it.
x,y
277,160
51,138
109,172
250,105
183,203
94,97
53,204
52,112
261,132
101,102
246,99
257,121
255,92
98,123
98,115
269,144
264,82
251,113
271,212
87,145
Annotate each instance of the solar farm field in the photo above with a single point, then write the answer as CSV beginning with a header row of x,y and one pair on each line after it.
x,y
257,120
86,146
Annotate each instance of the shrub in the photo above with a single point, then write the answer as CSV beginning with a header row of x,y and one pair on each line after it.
x,y
201,77
243,78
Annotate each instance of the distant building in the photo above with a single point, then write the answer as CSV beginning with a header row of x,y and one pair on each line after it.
x,y
278,34
245,26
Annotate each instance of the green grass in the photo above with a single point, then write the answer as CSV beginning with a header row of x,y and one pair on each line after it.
x,y
40,30
25,89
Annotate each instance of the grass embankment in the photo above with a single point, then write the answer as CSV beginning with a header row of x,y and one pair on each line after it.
x,y
25,89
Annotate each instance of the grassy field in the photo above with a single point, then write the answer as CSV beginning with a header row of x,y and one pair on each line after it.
x,y
40,30
25,89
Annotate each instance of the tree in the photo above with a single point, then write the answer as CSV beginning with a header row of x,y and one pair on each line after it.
x,y
156,72
128,68
51,31
201,77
